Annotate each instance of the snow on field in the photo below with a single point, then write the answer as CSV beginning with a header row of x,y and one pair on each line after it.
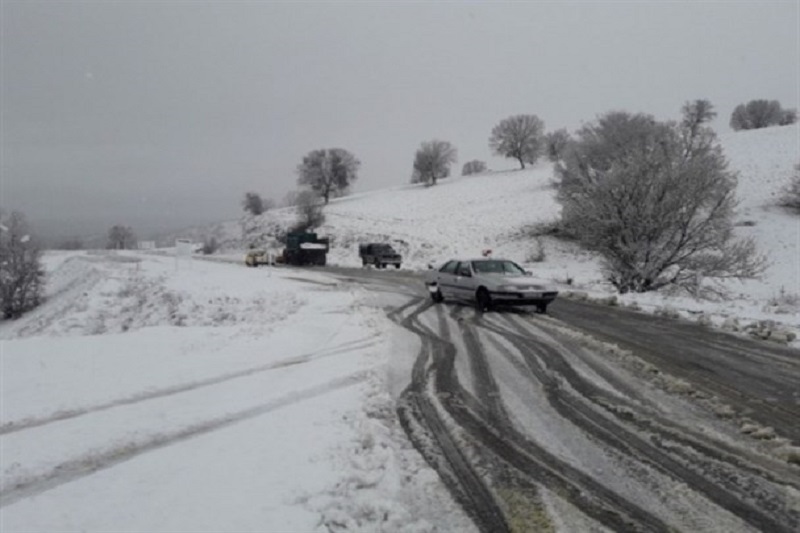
x,y
462,216
151,395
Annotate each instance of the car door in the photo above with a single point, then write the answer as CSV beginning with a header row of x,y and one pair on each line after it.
x,y
464,281
445,277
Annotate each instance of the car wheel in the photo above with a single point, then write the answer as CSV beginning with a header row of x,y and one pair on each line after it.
x,y
397,266
363,262
437,296
541,308
483,300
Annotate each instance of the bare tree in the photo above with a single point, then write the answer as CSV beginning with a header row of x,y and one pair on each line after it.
x,y
655,202
790,197
473,167
21,273
328,172
520,137
121,237
761,114
432,162
556,144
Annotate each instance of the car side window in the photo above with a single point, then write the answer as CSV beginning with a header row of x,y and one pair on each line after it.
x,y
463,269
449,267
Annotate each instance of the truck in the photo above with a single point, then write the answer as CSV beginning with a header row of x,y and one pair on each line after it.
x,y
379,254
305,248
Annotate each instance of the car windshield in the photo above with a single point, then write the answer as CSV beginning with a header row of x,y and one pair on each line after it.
x,y
497,267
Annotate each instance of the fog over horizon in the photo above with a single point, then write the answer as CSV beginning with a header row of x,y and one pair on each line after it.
x,y
162,115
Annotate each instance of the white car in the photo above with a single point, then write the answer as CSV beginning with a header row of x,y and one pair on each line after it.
x,y
488,282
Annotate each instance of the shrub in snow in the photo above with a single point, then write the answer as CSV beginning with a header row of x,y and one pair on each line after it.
x,y
784,303
761,114
790,196
656,200
473,167
21,273
769,330
432,162
520,137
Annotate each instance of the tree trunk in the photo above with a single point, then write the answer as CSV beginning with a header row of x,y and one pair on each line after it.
x,y
521,162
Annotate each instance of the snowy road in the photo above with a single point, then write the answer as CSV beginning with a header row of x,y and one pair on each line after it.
x,y
540,421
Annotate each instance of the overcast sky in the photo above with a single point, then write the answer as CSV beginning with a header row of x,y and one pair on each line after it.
x,y
163,113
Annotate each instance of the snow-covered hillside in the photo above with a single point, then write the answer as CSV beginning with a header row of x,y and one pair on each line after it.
x,y
147,394
461,216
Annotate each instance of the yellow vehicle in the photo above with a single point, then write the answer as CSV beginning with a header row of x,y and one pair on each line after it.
x,y
258,257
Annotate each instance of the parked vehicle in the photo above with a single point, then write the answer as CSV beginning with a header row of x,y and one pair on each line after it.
x,y
260,257
305,249
379,254
488,283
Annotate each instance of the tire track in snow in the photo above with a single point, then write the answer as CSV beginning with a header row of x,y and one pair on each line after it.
x,y
28,423
723,489
744,378
436,405
84,466
652,422
419,410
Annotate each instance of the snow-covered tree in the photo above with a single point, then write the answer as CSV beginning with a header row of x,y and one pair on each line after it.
x,y
473,167
556,144
121,237
761,114
253,203
329,172
520,137
656,201
432,162
21,274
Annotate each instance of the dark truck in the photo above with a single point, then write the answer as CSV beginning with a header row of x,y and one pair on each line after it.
x,y
305,249
379,254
